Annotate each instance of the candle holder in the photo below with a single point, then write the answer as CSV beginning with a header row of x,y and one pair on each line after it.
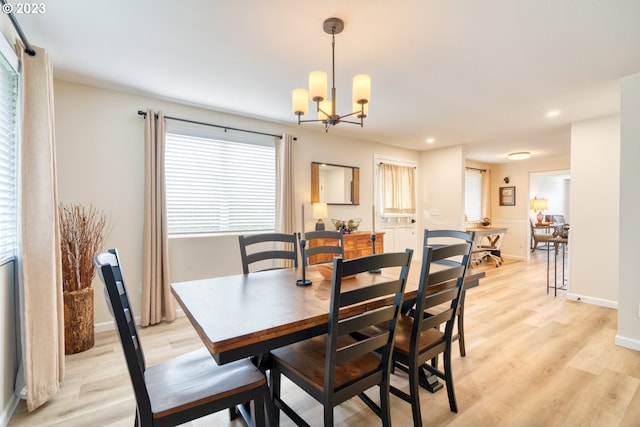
x,y
304,281
373,251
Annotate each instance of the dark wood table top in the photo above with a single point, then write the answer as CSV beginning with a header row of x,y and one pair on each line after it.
x,y
246,315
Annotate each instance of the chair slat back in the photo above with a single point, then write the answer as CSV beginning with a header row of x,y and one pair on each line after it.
x,y
115,293
439,289
374,314
268,246
332,244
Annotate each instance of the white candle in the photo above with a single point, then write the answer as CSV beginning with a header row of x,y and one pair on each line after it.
x,y
302,218
373,218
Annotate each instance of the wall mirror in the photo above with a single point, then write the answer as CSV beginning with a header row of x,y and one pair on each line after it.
x,y
335,184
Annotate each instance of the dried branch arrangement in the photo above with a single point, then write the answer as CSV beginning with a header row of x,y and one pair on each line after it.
x,y
82,232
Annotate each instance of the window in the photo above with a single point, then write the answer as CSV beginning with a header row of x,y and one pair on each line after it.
x,y
472,195
219,184
8,152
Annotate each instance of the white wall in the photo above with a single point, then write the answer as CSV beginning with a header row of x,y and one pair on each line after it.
x,y
100,149
594,234
441,188
628,290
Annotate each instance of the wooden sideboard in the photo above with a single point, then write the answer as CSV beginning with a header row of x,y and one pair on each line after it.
x,y
356,244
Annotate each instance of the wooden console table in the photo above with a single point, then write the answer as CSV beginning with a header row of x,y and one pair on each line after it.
x,y
356,244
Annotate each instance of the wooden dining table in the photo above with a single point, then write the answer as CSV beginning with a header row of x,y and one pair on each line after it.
x,y
248,315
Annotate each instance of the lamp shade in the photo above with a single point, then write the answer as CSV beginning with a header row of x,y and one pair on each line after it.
x,y
319,210
317,86
539,204
361,88
300,101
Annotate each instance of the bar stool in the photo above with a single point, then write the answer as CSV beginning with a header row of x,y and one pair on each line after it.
x,y
559,243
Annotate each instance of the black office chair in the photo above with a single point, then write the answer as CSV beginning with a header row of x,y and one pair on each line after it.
x,y
323,246
182,389
437,238
335,367
280,248
419,337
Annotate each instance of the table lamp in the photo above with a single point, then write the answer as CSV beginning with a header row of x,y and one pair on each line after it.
x,y
319,211
539,205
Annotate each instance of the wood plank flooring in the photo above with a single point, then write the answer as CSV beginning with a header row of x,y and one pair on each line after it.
x,y
532,360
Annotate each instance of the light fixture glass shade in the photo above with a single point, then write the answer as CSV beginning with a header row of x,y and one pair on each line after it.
x,y
300,101
520,155
358,109
361,88
317,86
326,107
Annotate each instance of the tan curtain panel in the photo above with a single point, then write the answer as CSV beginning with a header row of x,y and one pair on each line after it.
x,y
41,278
485,204
397,189
285,194
157,301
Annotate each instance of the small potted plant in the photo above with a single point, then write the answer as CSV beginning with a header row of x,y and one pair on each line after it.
x,y
82,232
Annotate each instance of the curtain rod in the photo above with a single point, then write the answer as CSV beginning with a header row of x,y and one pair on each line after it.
x,y
397,164
475,169
8,10
226,128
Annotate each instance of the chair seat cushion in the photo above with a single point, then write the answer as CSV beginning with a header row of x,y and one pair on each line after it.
x,y
307,359
428,338
194,378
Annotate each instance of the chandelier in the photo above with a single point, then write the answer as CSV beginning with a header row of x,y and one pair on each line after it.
x,y
317,92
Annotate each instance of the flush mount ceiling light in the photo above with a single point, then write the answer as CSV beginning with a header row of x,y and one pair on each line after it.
x,y
520,155
318,89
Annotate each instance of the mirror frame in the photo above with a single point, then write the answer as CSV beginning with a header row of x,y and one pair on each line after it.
x,y
315,183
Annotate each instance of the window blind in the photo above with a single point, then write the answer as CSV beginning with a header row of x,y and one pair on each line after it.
x,y
214,185
8,154
472,195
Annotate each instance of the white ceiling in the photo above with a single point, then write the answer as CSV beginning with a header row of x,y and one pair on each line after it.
x,y
478,72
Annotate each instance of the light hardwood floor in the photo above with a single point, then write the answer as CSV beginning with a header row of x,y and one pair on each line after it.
x,y
532,360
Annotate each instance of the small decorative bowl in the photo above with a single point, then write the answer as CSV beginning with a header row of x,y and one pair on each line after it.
x,y
338,223
353,224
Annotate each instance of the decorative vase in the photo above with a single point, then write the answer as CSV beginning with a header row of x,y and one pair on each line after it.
x,y
78,320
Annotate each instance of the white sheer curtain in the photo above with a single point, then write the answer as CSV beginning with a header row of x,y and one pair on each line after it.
x,y
157,301
397,189
42,306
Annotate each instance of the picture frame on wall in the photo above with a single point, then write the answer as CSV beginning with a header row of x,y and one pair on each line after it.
x,y
507,196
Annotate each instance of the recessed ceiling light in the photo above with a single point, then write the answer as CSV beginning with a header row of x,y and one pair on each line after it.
x,y
520,155
431,140
553,113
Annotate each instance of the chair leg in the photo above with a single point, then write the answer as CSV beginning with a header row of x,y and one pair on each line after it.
x,y
449,380
258,409
274,391
414,391
385,404
328,414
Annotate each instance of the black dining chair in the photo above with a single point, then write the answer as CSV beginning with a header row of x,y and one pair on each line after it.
x,y
268,251
184,388
323,245
438,238
419,337
335,367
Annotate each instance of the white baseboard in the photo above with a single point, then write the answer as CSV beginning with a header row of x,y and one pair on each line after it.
x,y
590,300
111,326
8,410
630,343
